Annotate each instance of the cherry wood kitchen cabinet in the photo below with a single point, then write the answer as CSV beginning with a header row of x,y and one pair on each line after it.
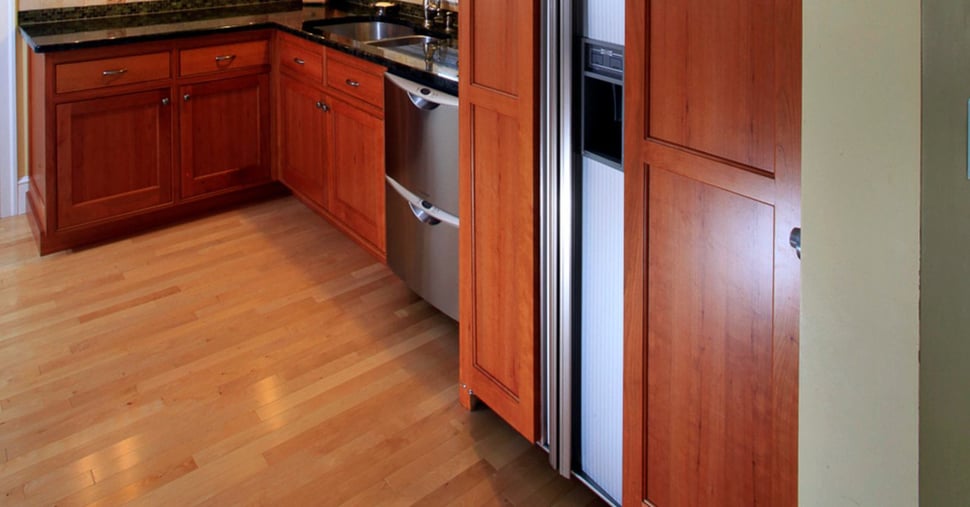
x,y
712,98
357,173
498,183
224,120
303,127
114,156
224,141
331,137
113,128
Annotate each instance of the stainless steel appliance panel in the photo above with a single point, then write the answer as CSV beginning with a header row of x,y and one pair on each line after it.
x,y
422,141
421,127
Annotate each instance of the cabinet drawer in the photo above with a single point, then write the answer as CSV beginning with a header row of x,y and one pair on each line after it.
x,y
223,57
86,75
303,62
348,75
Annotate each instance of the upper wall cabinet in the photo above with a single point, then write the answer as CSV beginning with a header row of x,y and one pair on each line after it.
x,y
711,291
499,190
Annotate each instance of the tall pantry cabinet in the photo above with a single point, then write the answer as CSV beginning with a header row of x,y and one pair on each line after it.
x,y
712,112
713,109
498,185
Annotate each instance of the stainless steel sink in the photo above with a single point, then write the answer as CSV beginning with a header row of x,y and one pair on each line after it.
x,y
406,40
367,31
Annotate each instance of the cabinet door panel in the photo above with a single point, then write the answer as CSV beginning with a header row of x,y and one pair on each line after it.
x,y
498,183
357,172
304,140
114,156
225,134
712,104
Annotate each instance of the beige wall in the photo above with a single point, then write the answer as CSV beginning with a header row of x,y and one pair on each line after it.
x,y
945,323
858,420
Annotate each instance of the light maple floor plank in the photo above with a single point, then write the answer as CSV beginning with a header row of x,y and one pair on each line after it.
x,y
255,356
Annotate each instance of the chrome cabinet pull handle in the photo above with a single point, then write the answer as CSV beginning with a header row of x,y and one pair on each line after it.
x,y
225,58
795,240
299,61
351,82
115,72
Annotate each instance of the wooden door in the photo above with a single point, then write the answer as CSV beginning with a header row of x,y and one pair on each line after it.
x,y
114,156
225,140
498,182
713,108
357,172
304,139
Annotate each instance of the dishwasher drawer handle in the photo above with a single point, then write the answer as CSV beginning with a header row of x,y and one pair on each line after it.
x,y
422,215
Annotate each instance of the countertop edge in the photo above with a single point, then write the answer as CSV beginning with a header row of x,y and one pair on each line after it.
x,y
424,77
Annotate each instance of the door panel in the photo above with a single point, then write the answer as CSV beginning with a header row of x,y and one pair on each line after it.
x,y
498,184
711,84
225,134
114,156
357,172
304,139
710,287
712,98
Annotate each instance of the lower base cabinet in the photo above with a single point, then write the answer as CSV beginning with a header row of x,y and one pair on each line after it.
x,y
357,173
224,127
114,156
304,131
331,137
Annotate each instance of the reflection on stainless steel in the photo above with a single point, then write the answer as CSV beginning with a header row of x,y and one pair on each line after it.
x,y
366,31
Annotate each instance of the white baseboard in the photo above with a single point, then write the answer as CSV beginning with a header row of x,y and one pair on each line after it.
x,y
22,195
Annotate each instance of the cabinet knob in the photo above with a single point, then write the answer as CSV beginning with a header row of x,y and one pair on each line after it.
x,y
166,101
323,106
186,97
795,240
298,61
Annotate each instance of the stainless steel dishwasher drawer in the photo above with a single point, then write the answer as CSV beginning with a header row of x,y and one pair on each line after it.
x,y
421,126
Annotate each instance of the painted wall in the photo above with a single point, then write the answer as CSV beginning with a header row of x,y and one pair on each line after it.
x,y
858,410
945,304
8,110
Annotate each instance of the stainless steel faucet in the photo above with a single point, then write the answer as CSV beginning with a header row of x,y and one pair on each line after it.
x,y
431,10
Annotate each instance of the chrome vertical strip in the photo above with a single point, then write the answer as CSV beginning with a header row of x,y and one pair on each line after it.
x,y
547,243
565,234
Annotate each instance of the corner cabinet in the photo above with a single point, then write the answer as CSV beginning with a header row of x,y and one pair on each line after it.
x,y
331,137
129,136
498,182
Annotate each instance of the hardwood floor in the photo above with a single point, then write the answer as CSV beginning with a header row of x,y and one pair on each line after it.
x,y
252,357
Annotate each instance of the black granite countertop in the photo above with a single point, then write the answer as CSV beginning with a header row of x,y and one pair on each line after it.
x,y
438,69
